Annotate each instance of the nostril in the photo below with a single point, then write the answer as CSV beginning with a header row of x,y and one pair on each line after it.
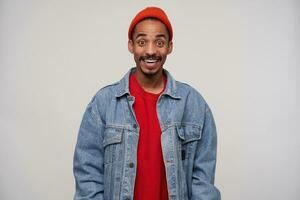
x,y
150,55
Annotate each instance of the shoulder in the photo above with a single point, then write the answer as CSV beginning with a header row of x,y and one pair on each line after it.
x,y
195,106
187,91
105,94
102,99
108,90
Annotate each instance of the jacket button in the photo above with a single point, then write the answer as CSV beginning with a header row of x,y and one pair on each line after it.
x,y
131,165
134,126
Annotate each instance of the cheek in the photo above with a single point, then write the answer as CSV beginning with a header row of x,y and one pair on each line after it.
x,y
137,52
164,52
136,57
164,55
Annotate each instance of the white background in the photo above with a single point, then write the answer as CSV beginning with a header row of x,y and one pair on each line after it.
x,y
243,56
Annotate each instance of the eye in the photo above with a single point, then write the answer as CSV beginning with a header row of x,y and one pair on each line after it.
x,y
160,43
141,43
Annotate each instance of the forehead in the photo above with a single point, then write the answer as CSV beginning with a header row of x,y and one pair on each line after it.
x,y
150,27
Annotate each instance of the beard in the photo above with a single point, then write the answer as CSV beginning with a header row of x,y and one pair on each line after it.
x,y
150,74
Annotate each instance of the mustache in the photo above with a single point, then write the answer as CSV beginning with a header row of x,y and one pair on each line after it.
x,y
150,57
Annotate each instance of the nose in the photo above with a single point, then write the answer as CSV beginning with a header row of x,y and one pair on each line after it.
x,y
151,49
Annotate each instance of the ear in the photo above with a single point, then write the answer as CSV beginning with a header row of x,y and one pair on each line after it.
x,y
130,46
170,47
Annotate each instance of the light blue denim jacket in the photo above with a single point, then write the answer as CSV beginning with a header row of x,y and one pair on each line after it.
x,y
105,156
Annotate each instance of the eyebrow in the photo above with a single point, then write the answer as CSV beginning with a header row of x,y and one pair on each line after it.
x,y
140,35
161,35
157,36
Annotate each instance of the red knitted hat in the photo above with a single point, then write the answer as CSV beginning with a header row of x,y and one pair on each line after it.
x,y
153,12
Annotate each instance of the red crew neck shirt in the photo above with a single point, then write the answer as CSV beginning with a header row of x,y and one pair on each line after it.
x,y
150,182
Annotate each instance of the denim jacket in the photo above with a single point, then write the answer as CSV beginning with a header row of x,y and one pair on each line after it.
x,y
106,150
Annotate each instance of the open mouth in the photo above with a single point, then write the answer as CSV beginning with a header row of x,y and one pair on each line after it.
x,y
150,61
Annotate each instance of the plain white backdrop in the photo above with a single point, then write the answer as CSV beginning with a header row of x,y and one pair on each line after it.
x,y
243,56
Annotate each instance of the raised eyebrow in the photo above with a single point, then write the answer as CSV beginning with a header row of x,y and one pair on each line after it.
x,y
140,35
161,36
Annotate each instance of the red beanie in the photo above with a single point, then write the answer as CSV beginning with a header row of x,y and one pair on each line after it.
x,y
149,12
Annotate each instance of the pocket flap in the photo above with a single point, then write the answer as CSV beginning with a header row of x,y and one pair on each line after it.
x,y
189,133
112,136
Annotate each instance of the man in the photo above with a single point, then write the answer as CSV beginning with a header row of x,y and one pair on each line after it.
x,y
147,137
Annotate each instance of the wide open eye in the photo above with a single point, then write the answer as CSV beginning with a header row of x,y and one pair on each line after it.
x,y
141,43
160,43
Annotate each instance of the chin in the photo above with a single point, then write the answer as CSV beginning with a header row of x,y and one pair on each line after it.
x,y
150,72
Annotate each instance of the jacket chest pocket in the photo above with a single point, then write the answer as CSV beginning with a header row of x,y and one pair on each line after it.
x,y
188,135
112,143
113,158
188,138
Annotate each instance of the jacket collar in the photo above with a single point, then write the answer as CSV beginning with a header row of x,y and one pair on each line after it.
x,y
170,89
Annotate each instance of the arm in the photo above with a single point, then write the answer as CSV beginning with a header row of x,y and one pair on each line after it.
x,y
205,162
88,157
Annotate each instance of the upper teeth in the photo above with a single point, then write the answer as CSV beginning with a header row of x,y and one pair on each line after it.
x,y
150,61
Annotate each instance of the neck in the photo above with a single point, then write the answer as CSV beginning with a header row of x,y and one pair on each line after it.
x,y
151,83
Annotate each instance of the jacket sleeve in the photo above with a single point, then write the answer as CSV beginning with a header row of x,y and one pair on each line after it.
x,y
205,162
88,157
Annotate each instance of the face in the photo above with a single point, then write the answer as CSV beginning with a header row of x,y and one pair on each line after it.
x,y
150,46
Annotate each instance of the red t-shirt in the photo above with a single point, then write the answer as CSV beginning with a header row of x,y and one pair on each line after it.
x,y
150,182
